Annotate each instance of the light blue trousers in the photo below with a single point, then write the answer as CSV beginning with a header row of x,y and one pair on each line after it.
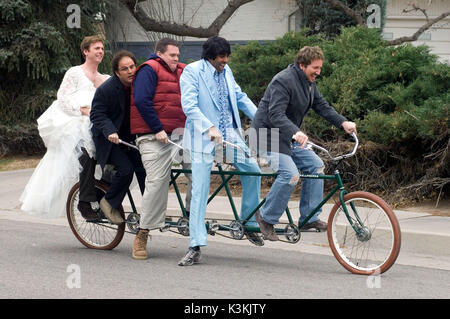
x,y
201,164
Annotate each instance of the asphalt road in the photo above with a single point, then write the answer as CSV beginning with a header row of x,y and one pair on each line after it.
x,y
39,260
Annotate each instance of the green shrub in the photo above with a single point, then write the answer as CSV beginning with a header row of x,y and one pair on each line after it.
x,y
20,139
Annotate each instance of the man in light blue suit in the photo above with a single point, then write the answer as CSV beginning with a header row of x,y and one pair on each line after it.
x,y
211,100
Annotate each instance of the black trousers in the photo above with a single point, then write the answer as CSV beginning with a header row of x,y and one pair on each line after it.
x,y
87,184
126,161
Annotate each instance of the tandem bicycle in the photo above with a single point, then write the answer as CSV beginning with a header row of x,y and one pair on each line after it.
x,y
363,232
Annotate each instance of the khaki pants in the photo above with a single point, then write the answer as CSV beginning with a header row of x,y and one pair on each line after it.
x,y
157,159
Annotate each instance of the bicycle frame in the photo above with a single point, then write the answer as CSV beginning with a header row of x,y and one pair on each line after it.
x,y
227,175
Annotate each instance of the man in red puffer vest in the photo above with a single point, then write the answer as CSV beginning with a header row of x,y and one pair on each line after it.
x,y
155,117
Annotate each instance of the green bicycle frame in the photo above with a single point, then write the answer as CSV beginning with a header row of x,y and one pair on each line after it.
x,y
227,175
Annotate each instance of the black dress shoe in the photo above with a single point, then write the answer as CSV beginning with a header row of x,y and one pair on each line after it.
x,y
254,238
86,211
318,224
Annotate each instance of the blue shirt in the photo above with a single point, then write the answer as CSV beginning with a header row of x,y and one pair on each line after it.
x,y
226,112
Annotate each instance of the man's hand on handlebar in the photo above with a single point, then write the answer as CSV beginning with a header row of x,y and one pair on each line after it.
x,y
162,137
215,135
300,138
114,138
349,127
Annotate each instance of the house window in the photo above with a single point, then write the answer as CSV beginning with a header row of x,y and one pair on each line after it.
x,y
425,37
388,35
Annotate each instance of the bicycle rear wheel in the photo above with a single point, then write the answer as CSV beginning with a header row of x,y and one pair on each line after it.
x,y
97,235
372,243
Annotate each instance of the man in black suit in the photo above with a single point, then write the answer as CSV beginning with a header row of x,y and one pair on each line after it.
x,y
110,117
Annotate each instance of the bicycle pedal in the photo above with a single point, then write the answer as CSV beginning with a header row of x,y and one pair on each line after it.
x,y
94,220
213,226
100,214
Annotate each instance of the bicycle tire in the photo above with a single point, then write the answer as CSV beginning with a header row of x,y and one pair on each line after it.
x,y
95,235
378,240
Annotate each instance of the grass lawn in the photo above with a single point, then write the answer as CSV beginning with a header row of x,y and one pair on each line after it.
x,y
18,162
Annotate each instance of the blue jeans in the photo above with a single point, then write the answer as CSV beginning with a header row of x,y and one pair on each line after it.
x,y
288,175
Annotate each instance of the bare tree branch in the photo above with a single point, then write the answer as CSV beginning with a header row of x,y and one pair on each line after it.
x,y
358,18
414,7
421,30
150,24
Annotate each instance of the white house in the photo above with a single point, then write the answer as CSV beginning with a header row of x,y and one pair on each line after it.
x,y
270,19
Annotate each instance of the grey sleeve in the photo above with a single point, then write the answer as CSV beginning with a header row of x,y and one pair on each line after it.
x,y
321,107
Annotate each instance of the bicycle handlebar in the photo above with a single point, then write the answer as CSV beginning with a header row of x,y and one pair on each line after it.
x,y
310,145
179,146
136,148
237,147
128,144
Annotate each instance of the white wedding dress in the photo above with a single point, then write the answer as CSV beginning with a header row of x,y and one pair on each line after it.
x,y
64,131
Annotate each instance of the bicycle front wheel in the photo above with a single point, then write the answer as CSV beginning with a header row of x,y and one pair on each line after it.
x,y
97,235
367,240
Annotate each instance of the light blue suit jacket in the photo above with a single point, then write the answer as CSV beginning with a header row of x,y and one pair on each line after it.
x,y
201,106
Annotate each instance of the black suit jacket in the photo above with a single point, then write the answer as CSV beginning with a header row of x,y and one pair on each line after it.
x,y
107,115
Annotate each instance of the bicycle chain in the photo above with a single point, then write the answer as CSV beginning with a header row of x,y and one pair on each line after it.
x,y
215,233
230,237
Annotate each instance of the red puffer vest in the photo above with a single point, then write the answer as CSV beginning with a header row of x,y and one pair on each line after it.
x,y
167,99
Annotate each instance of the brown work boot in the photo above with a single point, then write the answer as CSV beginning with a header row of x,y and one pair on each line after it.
x,y
266,228
140,245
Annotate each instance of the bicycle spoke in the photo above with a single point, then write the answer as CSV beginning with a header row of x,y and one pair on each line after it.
x,y
92,234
